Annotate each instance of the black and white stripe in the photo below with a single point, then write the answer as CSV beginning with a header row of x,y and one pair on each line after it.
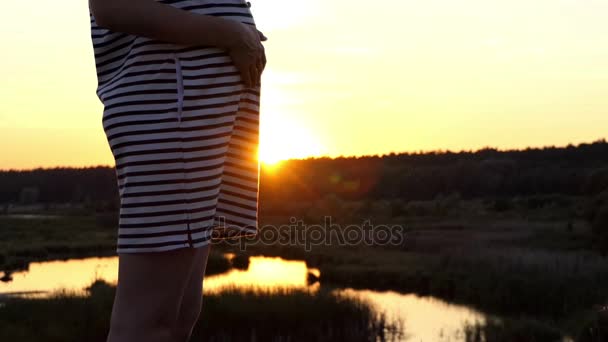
x,y
184,134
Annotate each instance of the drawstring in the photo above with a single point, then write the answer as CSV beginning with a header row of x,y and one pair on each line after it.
x,y
180,88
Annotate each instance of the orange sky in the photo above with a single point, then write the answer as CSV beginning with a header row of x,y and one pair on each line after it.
x,y
344,77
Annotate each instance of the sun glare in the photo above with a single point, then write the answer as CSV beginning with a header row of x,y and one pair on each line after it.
x,y
284,134
282,140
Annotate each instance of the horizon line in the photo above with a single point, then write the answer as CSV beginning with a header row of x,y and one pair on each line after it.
x,y
392,153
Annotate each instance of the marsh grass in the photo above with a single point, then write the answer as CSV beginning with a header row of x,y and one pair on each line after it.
x,y
232,314
521,329
508,267
241,314
504,281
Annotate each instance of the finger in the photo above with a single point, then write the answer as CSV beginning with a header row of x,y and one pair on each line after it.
x,y
245,76
258,75
262,36
260,65
255,75
263,60
251,76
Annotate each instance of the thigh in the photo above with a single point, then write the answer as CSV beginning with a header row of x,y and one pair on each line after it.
x,y
194,289
151,286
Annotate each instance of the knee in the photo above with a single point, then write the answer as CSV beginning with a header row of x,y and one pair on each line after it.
x,y
152,326
125,333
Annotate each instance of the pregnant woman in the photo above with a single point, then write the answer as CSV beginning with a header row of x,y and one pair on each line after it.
x,y
180,85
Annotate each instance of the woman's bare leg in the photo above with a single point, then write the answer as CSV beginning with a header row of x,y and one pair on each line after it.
x,y
148,295
192,300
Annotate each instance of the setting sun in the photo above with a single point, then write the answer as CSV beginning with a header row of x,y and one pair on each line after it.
x,y
284,131
283,139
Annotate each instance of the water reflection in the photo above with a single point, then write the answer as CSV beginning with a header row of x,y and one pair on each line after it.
x,y
74,274
263,272
424,318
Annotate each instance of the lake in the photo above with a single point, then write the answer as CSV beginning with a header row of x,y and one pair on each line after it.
x,y
425,318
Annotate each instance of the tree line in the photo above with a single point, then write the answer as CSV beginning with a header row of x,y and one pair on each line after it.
x,y
580,170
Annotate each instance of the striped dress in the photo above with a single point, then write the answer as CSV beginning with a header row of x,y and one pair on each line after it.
x,y
183,130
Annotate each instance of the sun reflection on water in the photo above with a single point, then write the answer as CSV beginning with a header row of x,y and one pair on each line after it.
x,y
75,275
268,273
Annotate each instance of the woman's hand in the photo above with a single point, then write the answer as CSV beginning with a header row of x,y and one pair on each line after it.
x,y
156,20
149,18
247,53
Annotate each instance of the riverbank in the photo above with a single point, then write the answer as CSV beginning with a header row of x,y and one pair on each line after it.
x,y
41,237
31,238
539,275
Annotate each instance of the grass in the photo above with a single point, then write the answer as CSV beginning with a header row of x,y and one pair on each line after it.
x,y
504,267
229,315
504,264
26,240
507,268
502,282
522,329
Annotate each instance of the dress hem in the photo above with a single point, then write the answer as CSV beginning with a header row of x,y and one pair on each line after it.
x,y
219,234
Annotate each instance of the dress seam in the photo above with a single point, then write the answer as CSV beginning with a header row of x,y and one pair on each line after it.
x,y
180,87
